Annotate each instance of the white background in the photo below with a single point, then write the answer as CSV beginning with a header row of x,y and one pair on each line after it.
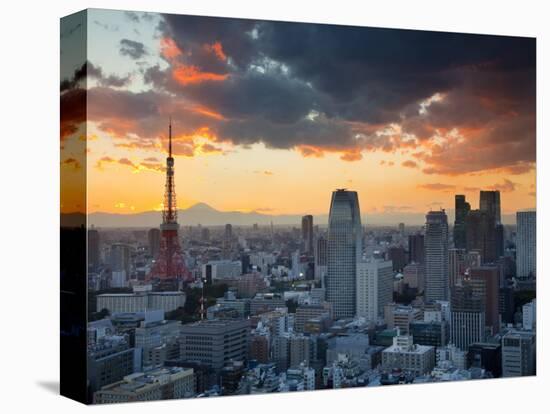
x,y
29,203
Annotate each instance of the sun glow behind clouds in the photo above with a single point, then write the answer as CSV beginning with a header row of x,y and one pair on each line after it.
x,y
200,77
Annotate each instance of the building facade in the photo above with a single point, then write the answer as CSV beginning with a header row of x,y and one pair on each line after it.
x,y
344,250
526,244
436,244
374,288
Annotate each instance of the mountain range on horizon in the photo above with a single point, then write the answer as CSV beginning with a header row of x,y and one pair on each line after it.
x,y
204,214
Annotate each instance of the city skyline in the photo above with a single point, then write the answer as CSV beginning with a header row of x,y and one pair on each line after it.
x,y
406,143
173,301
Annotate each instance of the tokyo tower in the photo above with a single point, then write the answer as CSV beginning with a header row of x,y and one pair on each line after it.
x,y
170,264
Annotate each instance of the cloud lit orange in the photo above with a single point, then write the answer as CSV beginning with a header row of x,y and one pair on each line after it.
x,y
186,75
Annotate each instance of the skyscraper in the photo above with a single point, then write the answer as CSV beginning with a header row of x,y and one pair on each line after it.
x,y
307,234
93,249
467,315
374,287
437,246
526,244
344,250
485,281
459,230
321,259
460,262
120,258
416,248
489,201
481,234
227,242
153,236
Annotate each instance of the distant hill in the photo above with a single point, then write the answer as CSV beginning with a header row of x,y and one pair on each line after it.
x,y
200,213
206,215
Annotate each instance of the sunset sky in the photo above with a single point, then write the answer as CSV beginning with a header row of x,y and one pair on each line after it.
x,y
272,116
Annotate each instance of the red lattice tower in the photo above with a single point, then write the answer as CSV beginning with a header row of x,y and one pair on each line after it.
x,y
170,264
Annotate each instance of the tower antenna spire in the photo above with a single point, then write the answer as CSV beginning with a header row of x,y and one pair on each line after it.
x,y
170,137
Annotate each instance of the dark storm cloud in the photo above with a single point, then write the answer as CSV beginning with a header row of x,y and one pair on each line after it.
x,y
131,48
349,89
94,72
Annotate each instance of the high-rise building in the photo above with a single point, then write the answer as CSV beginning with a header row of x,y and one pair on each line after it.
x,y
459,230
456,270
153,237
489,201
416,248
280,351
120,258
460,262
321,259
467,316
401,228
485,281
437,266
259,348
374,287
94,257
299,349
344,250
481,234
413,276
227,242
529,315
307,234
526,244
398,257
518,354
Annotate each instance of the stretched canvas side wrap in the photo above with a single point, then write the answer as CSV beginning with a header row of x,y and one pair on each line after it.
x,y
252,206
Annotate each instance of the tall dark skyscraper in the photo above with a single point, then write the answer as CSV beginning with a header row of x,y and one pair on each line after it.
x,y
459,230
489,201
437,264
344,250
307,234
416,248
485,281
227,241
526,244
93,249
481,234
398,257
153,236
